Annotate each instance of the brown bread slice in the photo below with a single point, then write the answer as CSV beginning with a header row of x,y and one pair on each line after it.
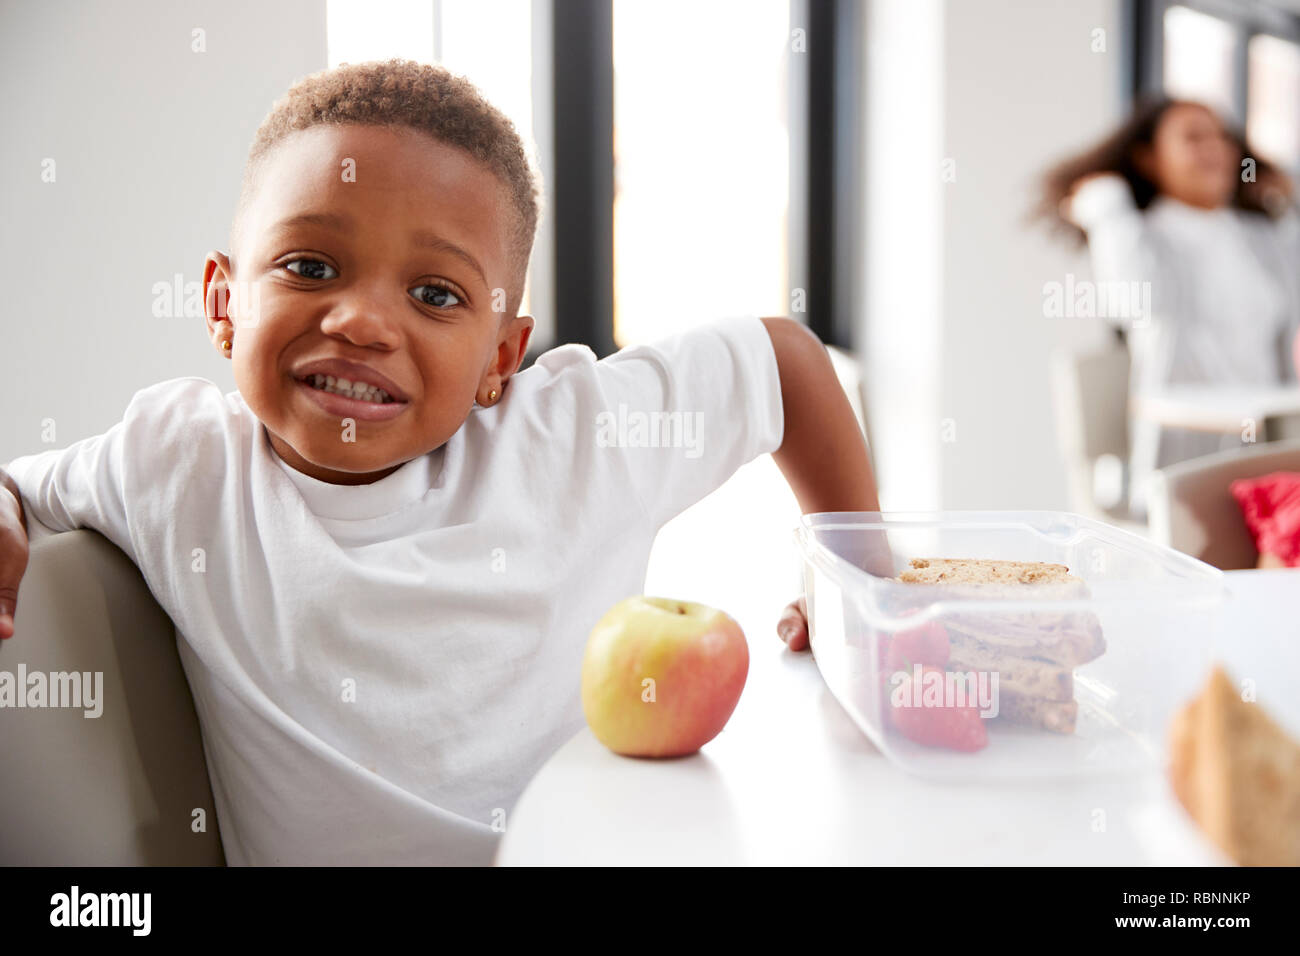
x,y
1238,774
1055,715
1034,653
1023,675
1067,640
1059,641
983,571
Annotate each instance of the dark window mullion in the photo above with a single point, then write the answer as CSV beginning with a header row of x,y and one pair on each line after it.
x,y
826,123
847,219
818,17
583,74
1241,71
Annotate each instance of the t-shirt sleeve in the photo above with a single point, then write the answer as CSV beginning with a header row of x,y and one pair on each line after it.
x,y
80,486
98,482
688,410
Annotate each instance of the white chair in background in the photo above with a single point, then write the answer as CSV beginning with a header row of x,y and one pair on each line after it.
x,y
1090,400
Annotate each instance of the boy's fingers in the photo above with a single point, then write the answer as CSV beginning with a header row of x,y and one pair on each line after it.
x,y
8,603
13,563
792,626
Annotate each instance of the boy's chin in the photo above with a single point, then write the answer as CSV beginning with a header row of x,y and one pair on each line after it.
x,y
340,454
343,469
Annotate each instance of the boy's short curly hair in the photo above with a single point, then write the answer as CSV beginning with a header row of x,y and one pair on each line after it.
x,y
417,96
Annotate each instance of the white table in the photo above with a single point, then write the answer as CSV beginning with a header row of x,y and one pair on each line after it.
x,y
1216,408
791,780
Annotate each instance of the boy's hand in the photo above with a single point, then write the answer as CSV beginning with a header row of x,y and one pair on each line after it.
x,y
792,626
13,557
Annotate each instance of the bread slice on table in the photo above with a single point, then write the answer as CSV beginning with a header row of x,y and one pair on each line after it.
x,y
1238,775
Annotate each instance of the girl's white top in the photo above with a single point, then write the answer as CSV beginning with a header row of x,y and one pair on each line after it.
x,y
1223,287
379,669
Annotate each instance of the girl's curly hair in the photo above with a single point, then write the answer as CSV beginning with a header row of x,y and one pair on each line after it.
x,y
1114,154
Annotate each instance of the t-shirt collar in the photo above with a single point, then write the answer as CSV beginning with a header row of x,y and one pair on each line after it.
x,y
405,486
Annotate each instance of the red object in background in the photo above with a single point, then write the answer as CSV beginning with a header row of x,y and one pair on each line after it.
x,y
1271,507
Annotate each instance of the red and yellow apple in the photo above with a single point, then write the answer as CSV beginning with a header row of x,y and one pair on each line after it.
x,y
660,677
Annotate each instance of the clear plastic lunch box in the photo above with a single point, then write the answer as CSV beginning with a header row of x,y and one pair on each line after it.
x,y
1157,611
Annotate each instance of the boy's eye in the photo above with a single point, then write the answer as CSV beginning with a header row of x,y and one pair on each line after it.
x,y
438,296
311,269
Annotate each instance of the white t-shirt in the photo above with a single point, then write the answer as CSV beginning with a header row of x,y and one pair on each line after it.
x,y
379,669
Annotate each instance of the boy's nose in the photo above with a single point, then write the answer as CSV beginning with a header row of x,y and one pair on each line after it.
x,y
363,320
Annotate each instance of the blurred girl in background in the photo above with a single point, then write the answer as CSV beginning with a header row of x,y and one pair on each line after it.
x,y
1174,198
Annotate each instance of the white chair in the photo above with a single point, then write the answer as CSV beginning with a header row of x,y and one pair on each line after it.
x,y
1192,510
119,789
1090,400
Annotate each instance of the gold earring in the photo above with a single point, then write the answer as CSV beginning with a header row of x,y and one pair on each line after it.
x,y
225,345
492,395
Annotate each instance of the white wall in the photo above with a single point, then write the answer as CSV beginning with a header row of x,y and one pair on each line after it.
x,y
1022,89
148,140
903,268
956,343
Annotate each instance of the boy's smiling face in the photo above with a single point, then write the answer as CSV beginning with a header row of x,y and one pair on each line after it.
x,y
397,271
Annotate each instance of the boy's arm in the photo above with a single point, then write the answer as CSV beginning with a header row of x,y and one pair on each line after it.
x,y
823,454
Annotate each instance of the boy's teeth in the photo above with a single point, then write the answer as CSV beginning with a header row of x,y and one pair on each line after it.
x,y
359,390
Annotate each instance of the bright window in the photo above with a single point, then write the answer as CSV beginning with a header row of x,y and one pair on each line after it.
x,y
1199,59
701,163
1273,113
357,31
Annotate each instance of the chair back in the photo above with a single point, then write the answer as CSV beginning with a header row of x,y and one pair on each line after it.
x,y
1090,399
122,788
1192,510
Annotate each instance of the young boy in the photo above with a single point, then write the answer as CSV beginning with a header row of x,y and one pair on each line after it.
x,y
383,553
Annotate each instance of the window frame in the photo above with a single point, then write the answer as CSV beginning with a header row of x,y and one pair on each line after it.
x,y
826,171
1146,21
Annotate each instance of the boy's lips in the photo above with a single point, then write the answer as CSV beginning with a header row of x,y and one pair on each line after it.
x,y
340,406
352,371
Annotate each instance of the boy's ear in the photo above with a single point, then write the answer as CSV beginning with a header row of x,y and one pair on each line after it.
x,y
513,345
216,291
